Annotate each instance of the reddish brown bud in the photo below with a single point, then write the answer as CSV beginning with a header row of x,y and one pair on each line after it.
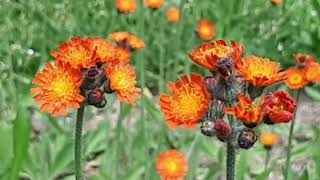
x,y
247,138
222,129
225,66
96,98
211,84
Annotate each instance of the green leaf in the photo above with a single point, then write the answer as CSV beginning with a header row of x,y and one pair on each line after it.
x,y
21,137
313,92
305,175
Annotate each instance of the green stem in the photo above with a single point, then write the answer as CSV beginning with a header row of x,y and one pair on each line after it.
x,y
287,167
231,161
77,143
267,158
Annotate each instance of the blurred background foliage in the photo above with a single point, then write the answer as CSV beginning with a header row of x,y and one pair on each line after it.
x,y
121,142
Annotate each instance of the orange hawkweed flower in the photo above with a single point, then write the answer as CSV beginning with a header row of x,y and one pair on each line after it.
x,y
187,104
304,58
269,139
119,37
76,52
209,53
276,2
245,111
104,51
312,72
296,78
173,15
58,88
172,165
122,55
126,6
122,79
135,42
154,4
260,72
206,30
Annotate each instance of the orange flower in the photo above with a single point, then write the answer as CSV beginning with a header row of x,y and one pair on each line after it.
x,y
304,58
172,165
104,51
58,88
247,112
209,53
122,55
119,37
173,15
269,139
135,42
126,6
296,78
76,52
155,4
123,81
188,103
260,72
312,72
206,30
276,2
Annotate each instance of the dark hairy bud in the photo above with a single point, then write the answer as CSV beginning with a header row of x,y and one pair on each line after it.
x,y
247,138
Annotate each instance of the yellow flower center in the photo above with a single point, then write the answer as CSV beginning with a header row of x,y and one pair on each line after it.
x,y
295,78
119,80
172,166
77,56
62,88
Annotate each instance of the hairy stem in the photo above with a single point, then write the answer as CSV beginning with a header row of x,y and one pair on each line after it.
x,y
287,167
231,161
77,143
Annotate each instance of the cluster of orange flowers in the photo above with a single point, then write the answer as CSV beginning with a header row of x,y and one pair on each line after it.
x,y
306,72
85,69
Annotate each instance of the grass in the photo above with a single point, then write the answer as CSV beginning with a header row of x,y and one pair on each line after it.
x,y
127,141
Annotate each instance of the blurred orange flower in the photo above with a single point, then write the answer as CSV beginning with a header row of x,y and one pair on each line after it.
x,y
187,104
126,6
58,88
173,15
104,51
119,36
312,72
303,58
206,30
260,72
269,139
122,79
209,53
296,78
279,107
135,42
245,111
122,55
155,4
276,2
76,52
172,165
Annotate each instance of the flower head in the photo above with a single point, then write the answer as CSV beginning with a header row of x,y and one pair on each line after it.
x,y
209,53
276,2
269,139
187,104
206,30
135,42
76,52
104,51
279,107
296,78
246,112
122,55
122,79
260,72
119,36
304,59
312,72
172,165
58,88
126,6
154,4
173,15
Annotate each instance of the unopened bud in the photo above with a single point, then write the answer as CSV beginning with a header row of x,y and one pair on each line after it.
x,y
211,84
225,66
223,130
207,128
96,98
247,138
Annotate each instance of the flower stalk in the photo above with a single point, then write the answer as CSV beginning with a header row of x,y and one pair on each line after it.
x,y
77,143
287,167
231,161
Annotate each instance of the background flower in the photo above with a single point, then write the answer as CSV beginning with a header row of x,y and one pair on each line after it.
x,y
126,6
206,30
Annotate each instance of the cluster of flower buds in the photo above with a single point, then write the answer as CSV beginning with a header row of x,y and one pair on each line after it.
x,y
86,69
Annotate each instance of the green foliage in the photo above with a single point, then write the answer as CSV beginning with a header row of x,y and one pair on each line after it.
x,y
127,141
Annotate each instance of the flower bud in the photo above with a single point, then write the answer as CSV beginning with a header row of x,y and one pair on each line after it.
x,y
228,89
207,128
217,109
223,130
96,98
225,66
211,84
91,73
247,138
